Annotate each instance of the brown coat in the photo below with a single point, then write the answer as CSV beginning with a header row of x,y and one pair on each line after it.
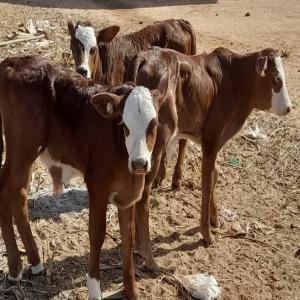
x,y
213,96
49,110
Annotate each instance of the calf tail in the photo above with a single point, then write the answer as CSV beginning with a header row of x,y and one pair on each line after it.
x,y
188,27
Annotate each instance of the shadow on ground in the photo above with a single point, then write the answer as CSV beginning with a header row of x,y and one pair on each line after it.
x,y
48,207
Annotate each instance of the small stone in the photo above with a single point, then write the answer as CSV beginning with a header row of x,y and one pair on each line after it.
x,y
247,14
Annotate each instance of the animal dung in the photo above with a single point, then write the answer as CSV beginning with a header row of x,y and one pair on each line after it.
x,y
202,286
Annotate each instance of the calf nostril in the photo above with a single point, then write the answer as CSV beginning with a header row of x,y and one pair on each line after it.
x,y
82,71
288,109
139,165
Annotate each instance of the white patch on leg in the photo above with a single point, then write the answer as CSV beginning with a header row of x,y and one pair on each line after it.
x,y
139,111
15,279
86,35
37,269
68,172
281,102
93,286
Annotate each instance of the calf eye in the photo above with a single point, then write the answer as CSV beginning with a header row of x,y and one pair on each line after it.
x,y
93,51
126,130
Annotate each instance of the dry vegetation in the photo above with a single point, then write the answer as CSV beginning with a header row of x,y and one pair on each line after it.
x,y
259,171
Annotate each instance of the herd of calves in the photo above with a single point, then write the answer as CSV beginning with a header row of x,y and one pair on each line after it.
x,y
114,122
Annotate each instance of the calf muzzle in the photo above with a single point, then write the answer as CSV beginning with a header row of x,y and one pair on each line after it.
x,y
139,166
82,71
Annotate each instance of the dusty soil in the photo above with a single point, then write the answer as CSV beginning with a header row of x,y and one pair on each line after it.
x,y
259,177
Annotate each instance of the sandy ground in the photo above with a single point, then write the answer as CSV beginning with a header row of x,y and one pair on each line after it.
x,y
259,177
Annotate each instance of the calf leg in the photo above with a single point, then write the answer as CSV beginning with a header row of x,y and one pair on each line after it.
x,y
97,229
162,171
127,229
56,174
142,215
143,231
178,172
208,162
213,205
14,182
13,256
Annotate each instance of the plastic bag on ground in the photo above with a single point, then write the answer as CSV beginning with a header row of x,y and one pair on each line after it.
x,y
202,286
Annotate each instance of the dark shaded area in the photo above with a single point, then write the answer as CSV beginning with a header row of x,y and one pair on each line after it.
x,y
106,4
49,207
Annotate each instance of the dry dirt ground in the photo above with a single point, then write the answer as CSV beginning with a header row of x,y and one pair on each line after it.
x,y
259,177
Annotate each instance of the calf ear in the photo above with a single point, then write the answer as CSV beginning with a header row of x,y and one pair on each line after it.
x,y
160,94
107,34
108,105
71,27
261,65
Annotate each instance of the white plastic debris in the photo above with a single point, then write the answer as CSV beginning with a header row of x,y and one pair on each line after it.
x,y
42,24
238,229
228,214
254,132
30,27
202,286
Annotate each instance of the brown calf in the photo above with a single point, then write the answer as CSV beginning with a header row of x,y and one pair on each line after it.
x,y
112,61
50,111
213,96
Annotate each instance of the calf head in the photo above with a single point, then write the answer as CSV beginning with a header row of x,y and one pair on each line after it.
x,y
139,112
271,92
84,48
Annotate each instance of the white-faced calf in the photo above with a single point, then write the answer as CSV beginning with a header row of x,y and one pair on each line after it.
x,y
112,61
213,96
89,128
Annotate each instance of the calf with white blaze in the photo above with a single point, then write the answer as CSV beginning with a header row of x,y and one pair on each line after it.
x,y
211,99
58,114
84,48
112,61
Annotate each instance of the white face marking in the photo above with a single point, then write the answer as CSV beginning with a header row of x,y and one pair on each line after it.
x,y
86,35
138,112
93,286
281,100
37,269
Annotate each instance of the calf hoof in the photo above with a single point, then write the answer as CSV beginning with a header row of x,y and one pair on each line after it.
x,y
15,280
176,185
132,294
36,271
151,266
214,222
157,182
207,236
